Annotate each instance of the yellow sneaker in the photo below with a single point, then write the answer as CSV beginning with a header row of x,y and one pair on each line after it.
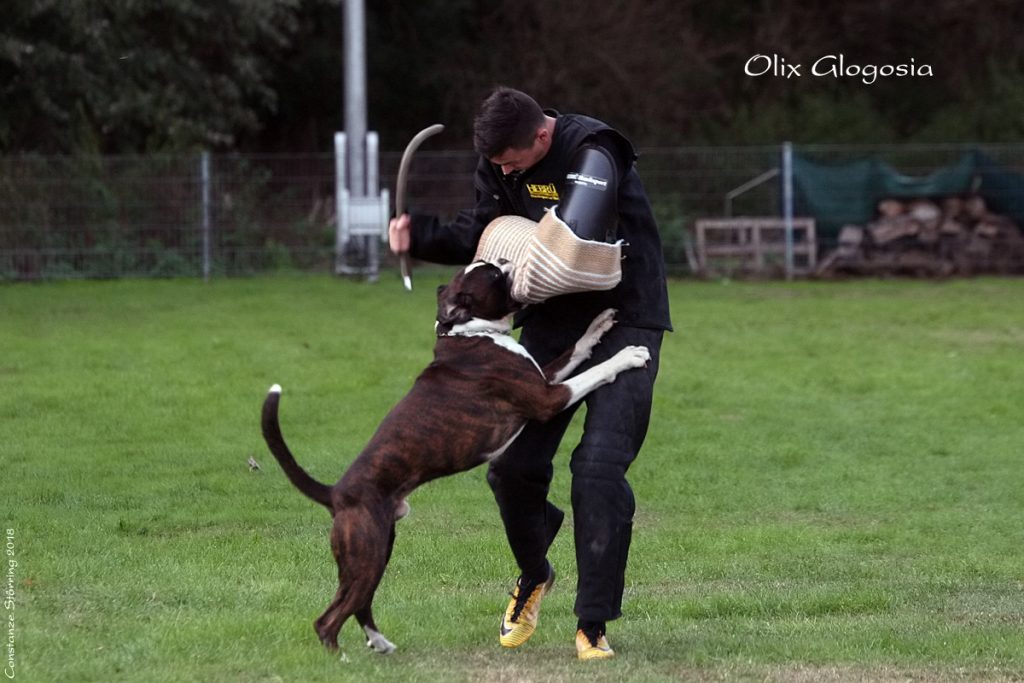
x,y
586,649
523,612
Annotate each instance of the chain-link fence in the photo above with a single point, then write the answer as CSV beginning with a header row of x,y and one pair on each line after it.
x,y
153,215
190,215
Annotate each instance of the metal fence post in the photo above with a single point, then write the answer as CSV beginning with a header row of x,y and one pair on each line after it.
x,y
787,203
340,202
204,174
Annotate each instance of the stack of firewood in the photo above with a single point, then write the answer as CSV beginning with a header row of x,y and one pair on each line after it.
x,y
950,236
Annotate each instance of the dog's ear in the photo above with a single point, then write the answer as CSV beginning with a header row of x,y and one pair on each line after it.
x,y
453,313
453,309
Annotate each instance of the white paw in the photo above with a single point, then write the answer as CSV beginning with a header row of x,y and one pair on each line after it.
x,y
604,321
378,643
634,356
402,510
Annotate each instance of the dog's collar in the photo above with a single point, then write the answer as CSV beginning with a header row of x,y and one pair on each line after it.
x,y
476,333
478,327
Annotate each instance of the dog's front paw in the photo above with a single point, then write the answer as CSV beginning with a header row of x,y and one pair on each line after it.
x,y
634,356
604,321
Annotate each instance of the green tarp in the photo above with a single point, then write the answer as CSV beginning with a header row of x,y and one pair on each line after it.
x,y
839,194
1003,190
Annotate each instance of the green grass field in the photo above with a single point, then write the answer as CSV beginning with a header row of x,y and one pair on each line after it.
x,y
832,489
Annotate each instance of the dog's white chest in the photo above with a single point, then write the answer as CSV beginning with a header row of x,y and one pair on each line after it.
x,y
510,344
486,328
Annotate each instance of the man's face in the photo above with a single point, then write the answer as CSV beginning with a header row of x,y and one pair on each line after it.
x,y
513,160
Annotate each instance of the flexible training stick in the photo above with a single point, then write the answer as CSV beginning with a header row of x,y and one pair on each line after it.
x,y
400,190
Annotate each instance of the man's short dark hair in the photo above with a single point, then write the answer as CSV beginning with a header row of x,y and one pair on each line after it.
x,y
507,119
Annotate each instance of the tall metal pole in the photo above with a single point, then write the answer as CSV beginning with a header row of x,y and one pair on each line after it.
x,y
787,203
204,173
361,212
355,93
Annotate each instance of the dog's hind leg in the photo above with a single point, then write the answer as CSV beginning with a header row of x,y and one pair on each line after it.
x,y
329,623
360,548
375,640
341,608
353,598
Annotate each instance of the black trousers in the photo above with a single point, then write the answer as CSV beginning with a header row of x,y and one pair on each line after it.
x,y
602,500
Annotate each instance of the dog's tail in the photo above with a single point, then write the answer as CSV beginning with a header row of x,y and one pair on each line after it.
x,y
316,490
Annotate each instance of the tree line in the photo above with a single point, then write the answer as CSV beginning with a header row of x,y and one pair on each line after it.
x,y
166,76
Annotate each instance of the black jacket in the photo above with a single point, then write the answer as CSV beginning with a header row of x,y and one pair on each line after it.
x,y
641,298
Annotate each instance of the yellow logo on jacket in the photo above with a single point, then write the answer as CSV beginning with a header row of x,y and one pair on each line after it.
x,y
547,191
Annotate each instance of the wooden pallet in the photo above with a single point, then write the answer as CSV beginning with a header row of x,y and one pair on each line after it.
x,y
753,245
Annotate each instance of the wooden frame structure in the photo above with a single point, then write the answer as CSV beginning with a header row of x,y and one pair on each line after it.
x,y
754,245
